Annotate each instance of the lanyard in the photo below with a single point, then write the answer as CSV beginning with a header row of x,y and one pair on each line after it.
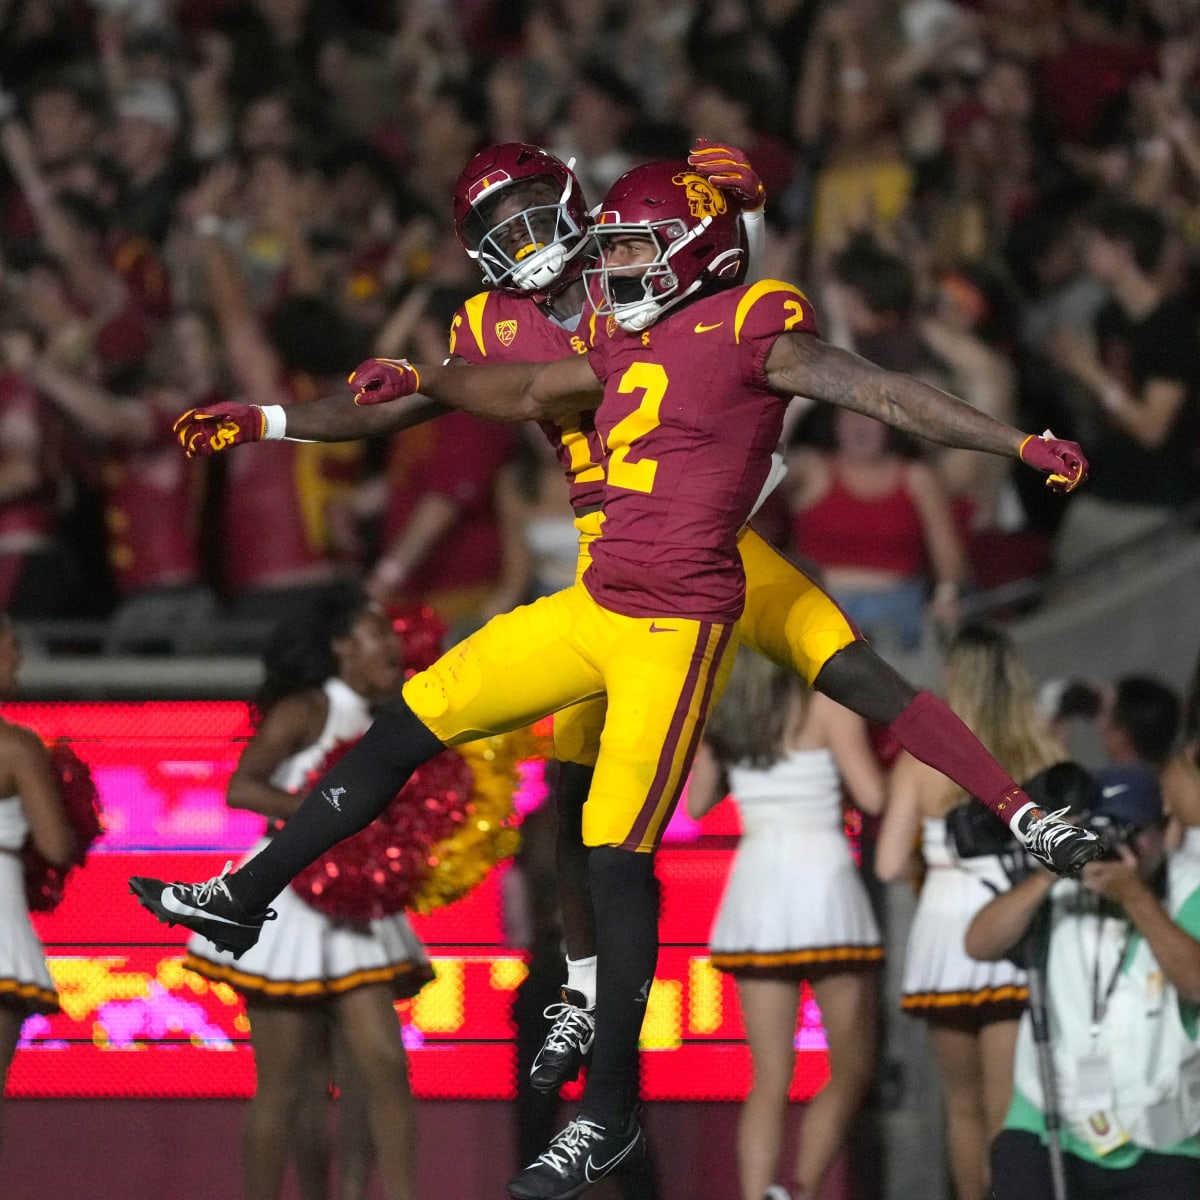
x,y
1100,1000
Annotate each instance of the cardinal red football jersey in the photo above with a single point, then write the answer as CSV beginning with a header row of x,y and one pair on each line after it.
x,y
689,423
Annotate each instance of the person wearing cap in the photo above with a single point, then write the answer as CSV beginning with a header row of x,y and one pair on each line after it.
x,y
148,146
1120,954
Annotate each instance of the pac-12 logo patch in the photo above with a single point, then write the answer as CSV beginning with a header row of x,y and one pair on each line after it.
x,y
506,331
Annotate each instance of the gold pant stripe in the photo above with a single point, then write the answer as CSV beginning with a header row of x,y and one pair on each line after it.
x,y
683,734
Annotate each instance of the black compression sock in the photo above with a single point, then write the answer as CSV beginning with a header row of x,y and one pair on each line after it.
x,y
347,798
625,894
571,860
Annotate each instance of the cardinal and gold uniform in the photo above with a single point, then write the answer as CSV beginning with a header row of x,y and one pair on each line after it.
x,y
787,617
496,327
688,424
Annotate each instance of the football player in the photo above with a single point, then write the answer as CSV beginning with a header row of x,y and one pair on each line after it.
x,y
695,370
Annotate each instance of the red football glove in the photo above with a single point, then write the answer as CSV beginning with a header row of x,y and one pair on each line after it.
x,y
206,431
1062,461
381,379
728,168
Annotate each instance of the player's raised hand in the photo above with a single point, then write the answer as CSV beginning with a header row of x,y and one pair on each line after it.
x,y
728,168
381,379
1062,461
205,431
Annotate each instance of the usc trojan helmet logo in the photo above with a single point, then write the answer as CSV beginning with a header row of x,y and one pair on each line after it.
x,y
703,198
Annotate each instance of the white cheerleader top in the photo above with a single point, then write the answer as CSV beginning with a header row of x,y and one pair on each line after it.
x,y
802,791
348,718
14,828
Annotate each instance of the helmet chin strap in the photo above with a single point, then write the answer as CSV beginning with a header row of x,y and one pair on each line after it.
x,y
641,314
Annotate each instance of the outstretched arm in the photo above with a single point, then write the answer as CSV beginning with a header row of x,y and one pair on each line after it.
x,y
501,392
341,419
801,364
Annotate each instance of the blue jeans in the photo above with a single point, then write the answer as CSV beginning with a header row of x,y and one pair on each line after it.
x,y
894,616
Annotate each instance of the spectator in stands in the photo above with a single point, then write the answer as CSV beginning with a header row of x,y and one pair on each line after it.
x,y
440,537
277,540
152,496
148,143
863,181
878,523
1142,721
63,111
601,110
1138,376
36,577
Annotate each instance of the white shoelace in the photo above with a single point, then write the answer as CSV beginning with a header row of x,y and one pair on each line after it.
x,y
569,1022
202,893
1048,831
571,1144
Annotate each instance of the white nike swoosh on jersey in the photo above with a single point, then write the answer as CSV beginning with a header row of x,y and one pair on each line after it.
x,y
603,1168
168,901
1114,789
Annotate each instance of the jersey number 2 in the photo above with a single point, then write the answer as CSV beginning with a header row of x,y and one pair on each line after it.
x,y
651,380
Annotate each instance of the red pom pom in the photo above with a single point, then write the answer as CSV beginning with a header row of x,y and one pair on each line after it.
x,y
378,871
44,883
421,632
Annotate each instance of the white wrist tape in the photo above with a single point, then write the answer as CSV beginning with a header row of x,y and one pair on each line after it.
x,y
274,422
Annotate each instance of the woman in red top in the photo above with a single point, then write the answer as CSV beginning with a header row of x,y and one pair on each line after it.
x,y
881,528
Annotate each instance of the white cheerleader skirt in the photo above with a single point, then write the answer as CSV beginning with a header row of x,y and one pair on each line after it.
x,y
941,981
25,980
794,904
305,955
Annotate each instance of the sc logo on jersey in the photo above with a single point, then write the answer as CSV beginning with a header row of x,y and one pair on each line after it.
x,y
703,198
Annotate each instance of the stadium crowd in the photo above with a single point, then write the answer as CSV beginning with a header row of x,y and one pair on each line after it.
x,y
245,199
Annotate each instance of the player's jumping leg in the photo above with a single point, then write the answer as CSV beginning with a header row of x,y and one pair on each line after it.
x,y
791,620
230,909
519,667
660,689
572,1031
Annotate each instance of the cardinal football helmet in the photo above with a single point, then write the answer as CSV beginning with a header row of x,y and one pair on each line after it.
x,y
694,227
519,213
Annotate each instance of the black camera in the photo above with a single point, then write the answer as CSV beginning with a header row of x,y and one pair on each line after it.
x,y
1112,834
974,831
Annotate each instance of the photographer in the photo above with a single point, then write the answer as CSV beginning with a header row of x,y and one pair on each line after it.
x,y
1121,960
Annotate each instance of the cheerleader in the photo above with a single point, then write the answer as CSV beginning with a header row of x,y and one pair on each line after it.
x,y
31,814
971,1008
794,908
308,972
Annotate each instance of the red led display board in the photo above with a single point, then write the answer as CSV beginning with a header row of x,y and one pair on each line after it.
x,y
135,1023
